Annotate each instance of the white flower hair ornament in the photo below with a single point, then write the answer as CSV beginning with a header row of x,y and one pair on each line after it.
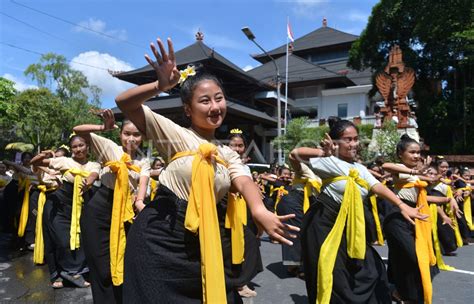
x,y
187,72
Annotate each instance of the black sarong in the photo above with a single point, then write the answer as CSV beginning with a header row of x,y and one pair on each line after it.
x,y
162,258
56,233
403,270
95,228
354,281
30,229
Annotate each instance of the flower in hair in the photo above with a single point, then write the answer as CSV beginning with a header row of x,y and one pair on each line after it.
x,y
184,74
236,131
64,147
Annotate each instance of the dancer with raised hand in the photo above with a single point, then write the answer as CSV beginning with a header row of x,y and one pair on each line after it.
x,y
62,212
174,251
411,256
339,263
109,213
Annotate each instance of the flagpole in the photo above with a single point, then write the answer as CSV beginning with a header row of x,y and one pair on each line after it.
x,y
286,75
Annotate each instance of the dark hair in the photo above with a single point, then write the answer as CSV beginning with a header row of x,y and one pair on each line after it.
x,y
337,126
238,135
25,154
281,168
404,142
187,88
439,160
463,170
157,159
126,121
62,149
75,136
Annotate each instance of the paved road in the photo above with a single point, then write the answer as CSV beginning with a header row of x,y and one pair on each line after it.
x,y
21,282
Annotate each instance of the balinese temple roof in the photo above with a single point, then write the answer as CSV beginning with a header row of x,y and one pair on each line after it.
x,y
301,70
235,79
323,37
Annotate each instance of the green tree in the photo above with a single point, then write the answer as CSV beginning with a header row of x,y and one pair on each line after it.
x,y
7,93
71,87
436,38
37,117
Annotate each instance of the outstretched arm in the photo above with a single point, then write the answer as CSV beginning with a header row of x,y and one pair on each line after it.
x,y
109,124
130,102
269,221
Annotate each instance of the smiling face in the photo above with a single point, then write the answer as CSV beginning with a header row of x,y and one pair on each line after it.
x,y
130,137
411,155
79,149
348,144
207,108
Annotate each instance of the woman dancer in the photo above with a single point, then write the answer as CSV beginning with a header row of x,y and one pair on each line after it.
x,y
339,263
62,211
108,214
174,248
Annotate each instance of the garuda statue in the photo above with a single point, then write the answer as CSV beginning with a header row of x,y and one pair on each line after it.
x,y
394,83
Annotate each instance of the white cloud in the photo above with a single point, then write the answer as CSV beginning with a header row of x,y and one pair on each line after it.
x,y
20,84
307,8
110,86
357,16
247,68
100,26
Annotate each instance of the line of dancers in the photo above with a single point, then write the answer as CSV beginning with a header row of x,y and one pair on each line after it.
x,y
186,227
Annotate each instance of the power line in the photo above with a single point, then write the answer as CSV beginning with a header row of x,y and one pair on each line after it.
x,y
77,25
35,28
41,54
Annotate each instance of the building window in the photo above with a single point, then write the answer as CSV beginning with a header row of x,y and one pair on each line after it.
x,y
342,110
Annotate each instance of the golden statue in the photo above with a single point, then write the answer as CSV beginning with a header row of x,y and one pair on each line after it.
x,y
394,83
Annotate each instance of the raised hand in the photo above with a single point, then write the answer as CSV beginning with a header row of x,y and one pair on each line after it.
x,y
455,208
165,65
328,145
109,120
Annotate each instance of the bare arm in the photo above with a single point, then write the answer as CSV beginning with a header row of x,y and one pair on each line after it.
x,y
270,222
142,186
408,212
17,167
109,124
303,154
42,159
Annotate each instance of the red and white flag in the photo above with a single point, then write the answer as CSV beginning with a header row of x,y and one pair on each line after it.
x,y
290,32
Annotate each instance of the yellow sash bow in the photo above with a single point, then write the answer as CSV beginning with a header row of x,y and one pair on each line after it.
x,y
38,253
77,200
25,206
309,185
375,213
454,219
122,211
437,248
201,214
423,243
467,208
281,191
235,219
153,188
350,217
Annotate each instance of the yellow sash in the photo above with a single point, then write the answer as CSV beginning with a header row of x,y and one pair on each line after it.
x,y
122,211
201,214
38,253
309,185
375,213
25,206
281,191
153,188
454,219
423,242
437,248
77,200
235,219
351,218
467,208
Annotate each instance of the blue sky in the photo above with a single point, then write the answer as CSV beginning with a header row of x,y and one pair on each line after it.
x,y
133,24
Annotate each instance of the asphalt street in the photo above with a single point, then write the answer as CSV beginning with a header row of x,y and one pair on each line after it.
x,y
22,282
